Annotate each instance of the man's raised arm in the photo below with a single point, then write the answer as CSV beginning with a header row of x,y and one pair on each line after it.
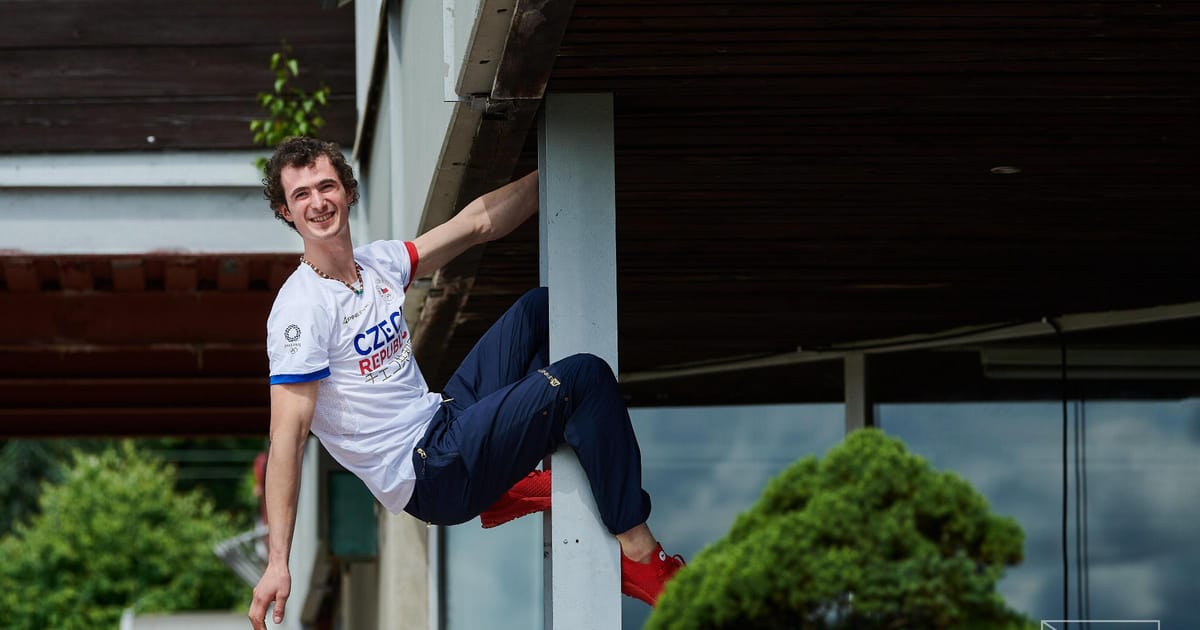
x,y
292,407
488,218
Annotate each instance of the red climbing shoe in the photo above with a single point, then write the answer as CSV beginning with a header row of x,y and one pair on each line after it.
x,y
529,495
646,581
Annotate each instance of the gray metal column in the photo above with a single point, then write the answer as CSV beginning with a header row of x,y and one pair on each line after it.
x,y
860,409
578,263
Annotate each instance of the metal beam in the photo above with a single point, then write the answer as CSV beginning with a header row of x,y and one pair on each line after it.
x,y
860,409
957,337
578,263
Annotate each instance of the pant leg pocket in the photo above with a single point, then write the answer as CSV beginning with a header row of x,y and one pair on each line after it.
x,y
443,486
429,463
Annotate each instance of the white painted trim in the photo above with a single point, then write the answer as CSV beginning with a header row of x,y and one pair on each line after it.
x,y
448,40
132,170
481,59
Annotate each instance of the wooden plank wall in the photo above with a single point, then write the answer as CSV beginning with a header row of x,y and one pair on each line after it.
x,y
91,75
136,344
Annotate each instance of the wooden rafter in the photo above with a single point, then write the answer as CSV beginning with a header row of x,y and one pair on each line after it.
x,y
535,33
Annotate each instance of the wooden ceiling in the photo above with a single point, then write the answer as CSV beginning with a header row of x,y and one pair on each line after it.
x,y
799,174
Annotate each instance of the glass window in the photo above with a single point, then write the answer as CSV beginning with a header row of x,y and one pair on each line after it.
x,y
1141,460
492,578
701,465
705,465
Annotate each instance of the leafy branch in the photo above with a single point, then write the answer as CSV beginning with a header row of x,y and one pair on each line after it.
x,y
290,110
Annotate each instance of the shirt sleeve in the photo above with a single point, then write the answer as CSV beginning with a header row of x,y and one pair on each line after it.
x,y
399,257
298,341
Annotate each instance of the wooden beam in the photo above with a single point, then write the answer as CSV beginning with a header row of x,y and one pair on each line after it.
x,y
181,275
129,274
531,49
278,274
159,360
74,275
494,153
232,275
532,42
133,318
20,276
139,391
166,420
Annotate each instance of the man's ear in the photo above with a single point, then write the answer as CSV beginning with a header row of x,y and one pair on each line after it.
x,y
285,213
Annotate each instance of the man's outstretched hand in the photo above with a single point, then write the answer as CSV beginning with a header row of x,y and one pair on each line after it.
x,y
274,586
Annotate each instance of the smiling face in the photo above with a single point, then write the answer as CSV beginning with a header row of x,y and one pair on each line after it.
x,y
316,200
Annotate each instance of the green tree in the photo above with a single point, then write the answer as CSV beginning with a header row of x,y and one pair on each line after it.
x,y
220,467
869,537
114,534
24,465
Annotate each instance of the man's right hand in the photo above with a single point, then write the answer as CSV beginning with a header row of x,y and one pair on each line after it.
x,y
274,586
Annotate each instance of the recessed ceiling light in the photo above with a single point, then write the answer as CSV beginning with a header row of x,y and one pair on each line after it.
x,y
1006,170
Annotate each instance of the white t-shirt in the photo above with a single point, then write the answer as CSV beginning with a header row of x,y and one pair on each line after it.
x,y
372,403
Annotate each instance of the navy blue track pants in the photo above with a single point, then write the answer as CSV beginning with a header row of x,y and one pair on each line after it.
x,y
507,408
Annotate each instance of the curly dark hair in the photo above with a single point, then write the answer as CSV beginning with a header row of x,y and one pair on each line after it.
x,y
300,151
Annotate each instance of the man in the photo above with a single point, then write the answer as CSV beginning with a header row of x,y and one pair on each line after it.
x,y
341,366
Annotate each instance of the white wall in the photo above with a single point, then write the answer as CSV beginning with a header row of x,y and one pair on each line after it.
x,y
414,115
366,19
422,114
306,544
137,202
403,573
359,596
411,127
376,177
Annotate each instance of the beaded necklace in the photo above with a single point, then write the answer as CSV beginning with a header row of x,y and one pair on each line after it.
x,y
357,272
